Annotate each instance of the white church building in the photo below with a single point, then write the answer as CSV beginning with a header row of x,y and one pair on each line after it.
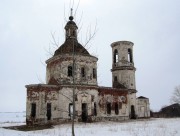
x,y
73,68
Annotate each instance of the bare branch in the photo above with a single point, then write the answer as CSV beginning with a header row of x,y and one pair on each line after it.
x,y
65,14
76,8
90,36
54,42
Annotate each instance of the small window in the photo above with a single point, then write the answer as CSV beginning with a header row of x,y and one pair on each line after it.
x,y
94,73
69,71
83,72
74,33
33,110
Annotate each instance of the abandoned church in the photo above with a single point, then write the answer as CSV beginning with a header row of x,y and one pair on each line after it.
x,y
71,74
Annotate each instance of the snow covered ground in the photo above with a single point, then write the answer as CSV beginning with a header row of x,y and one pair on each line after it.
x,y
152,127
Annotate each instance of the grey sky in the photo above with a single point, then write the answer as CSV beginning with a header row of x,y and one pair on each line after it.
x,y
153,26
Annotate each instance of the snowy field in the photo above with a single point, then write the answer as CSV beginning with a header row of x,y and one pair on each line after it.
x,y
152,127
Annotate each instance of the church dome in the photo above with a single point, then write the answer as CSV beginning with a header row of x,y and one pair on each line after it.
x,y
67,48
71,43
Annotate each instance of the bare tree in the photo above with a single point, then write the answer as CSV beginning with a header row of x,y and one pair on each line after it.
x,y
175,98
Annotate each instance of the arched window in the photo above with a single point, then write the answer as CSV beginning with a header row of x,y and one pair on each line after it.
x,y
83,74
94,73
130,58
115,56
70,71
74,33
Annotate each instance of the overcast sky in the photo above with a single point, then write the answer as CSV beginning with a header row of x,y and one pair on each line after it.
x,y
152,25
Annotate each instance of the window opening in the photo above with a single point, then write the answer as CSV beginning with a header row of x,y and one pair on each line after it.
x,y
130,55
74,33
94,73
115,56
69,71
83,72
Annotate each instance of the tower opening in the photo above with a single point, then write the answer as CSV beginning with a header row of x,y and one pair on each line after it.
x,y
115,56
130,58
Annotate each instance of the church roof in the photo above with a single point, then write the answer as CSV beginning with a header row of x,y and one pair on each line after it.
x,y
67,48
142,97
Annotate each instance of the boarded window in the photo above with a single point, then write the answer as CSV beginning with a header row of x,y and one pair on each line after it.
x,y
108,108
70,71
94,73
83,74
33,110
48,111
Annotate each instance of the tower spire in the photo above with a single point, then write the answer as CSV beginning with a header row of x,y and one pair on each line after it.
x,y
71,16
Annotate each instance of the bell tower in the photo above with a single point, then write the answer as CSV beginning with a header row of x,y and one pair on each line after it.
x,y
123,71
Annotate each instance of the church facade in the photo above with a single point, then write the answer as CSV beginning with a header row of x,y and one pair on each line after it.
x,y
72,71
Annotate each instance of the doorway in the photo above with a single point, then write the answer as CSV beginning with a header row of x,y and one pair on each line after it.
x,y
133,115
108,108
33,110
48,111
84,112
